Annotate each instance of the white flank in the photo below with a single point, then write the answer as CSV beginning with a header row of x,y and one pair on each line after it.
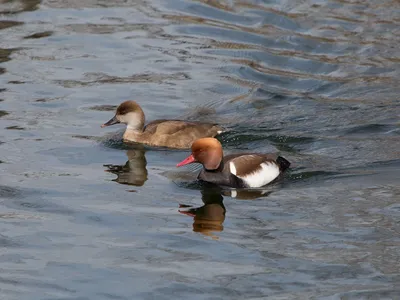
x,y
232,168
219,131
233,193
268,172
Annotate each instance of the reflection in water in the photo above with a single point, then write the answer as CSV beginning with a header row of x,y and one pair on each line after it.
x,y
134,171
210,217
313,80
247,194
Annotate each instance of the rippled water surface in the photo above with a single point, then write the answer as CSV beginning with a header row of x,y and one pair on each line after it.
x,y
83,216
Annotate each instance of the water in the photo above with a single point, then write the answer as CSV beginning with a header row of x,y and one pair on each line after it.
x,y
83,216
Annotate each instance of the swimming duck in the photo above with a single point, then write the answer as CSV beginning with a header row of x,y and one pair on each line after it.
x,y
163,133
245,170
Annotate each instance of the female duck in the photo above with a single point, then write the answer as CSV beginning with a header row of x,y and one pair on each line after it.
x,y
164,133
246,170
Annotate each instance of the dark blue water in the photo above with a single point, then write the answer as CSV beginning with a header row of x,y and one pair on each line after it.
x,y
83,216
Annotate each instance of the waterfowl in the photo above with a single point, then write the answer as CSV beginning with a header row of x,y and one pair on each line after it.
x,y
177,134
245,170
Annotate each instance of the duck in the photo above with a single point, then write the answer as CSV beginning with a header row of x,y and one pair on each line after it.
x,y
243,170
176,134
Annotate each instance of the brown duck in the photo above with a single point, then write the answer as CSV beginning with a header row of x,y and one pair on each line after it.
x,y
177,134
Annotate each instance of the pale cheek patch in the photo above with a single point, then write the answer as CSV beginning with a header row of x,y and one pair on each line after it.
x,y
133,120
263,176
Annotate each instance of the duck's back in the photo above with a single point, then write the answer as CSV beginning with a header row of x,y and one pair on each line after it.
x,y
177,133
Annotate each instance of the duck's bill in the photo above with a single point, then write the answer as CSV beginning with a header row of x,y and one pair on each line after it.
x,y
111,122
187,161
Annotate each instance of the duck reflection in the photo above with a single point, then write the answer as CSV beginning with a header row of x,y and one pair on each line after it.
x,y
134,171
210,217
246,194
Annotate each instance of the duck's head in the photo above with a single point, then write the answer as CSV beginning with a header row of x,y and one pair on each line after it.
x,y
206,151
129,113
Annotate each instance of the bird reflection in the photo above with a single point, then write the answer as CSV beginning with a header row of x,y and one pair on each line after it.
x,y
247,194
210,217
134,171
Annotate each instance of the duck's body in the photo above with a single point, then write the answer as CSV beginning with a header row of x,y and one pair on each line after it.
x,y
177,134
248,170
245,170
171,133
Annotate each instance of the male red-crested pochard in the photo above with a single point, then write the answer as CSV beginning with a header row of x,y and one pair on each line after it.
x,y
163,133
245,170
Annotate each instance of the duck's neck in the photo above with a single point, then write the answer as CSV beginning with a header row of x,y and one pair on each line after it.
x,y
135,128
219,169
134,121
132,133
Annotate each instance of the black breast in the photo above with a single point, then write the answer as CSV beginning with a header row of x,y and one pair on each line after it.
x,y
221,178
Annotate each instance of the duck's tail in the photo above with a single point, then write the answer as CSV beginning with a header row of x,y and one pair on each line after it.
x,y
282,163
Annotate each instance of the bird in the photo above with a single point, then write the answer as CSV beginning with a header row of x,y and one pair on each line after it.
x,y
176,134
243,170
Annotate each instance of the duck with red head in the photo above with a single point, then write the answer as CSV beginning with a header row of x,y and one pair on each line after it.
x,y
246,170
176,134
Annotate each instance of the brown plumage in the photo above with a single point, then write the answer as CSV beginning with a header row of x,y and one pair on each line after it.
x,y
164,133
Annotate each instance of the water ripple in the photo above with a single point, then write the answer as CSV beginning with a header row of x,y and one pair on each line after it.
x,y
86,216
